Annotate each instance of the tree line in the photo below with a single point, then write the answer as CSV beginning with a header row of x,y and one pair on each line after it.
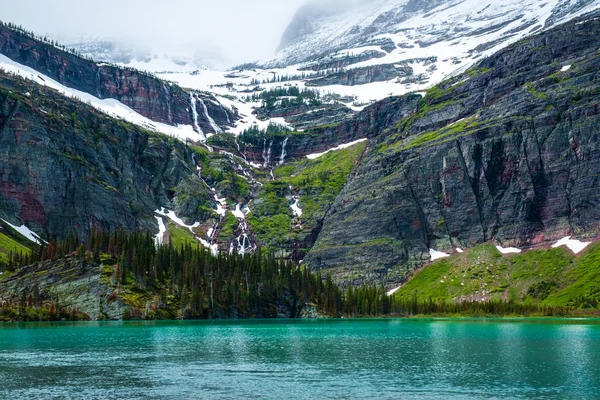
x,y
198,284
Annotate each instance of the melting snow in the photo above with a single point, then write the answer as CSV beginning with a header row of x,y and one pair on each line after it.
x,y
238,213
173,217
391,292
340,147
296,208
575,246
508,250
565,68
222,207
25,231
436,255
459,250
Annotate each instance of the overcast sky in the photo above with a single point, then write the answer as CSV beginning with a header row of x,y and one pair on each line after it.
x,y
240,30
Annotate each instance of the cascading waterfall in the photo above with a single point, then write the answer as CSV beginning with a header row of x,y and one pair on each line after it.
x,y
242,243
240,150
195,115
267,153
98,83
283,153
169,110
211,121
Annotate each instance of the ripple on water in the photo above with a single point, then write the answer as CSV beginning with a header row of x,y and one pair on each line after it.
x,y
302,359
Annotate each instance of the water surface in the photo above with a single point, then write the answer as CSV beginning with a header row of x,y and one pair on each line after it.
x,y
425,359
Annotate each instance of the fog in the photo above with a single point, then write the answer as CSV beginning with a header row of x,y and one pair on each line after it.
x,y
227,32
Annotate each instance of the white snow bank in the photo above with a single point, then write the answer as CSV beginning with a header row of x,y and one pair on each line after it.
x,y
222,207
436,255
25,231
340,147
171,215
508,250
214,248
296,208
391,292
565,68
238,213
459,250
575,246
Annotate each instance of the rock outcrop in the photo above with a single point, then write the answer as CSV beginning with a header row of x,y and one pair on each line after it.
x,y
64,165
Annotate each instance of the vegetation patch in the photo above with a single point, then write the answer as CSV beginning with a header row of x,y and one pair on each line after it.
x,y
553,277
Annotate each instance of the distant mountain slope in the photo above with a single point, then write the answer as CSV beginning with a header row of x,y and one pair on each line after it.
x,y
462,27
145,94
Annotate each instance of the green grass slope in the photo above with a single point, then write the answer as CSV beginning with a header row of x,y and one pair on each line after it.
x,y
553,277
13,242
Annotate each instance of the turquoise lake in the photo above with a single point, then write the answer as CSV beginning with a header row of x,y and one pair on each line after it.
x,y
405,359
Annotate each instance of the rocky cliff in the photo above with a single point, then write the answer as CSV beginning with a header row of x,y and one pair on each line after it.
x,y
366,124
64,165
506,152
151,97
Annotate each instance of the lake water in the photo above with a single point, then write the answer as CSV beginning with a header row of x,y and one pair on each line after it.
x,y
424,359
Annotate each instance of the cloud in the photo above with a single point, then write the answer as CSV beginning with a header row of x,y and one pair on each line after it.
x,y
232,31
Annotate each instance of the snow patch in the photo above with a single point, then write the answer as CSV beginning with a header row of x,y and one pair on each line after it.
x,y
391,292
575,246
222,207
509,250
459,250
26,232
340,147
296,208
178,221
238,213
436,255
565,68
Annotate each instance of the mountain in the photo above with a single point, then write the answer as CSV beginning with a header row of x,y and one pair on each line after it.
x,y
393,29
283,158
504,152
127,93
346,55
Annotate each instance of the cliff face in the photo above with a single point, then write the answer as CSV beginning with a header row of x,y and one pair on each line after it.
x,y
506,152
149,96
367,124
63,165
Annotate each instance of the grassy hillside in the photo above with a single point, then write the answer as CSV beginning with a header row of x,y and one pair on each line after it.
x,y
12,242
317,182
552,277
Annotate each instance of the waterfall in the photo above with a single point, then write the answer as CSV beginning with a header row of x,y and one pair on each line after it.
x,y
240,150
195,115
267,153
283,153
98,83
211,121
243,242
169,111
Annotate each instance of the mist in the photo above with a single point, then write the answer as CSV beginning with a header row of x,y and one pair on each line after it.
x,y
227,32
